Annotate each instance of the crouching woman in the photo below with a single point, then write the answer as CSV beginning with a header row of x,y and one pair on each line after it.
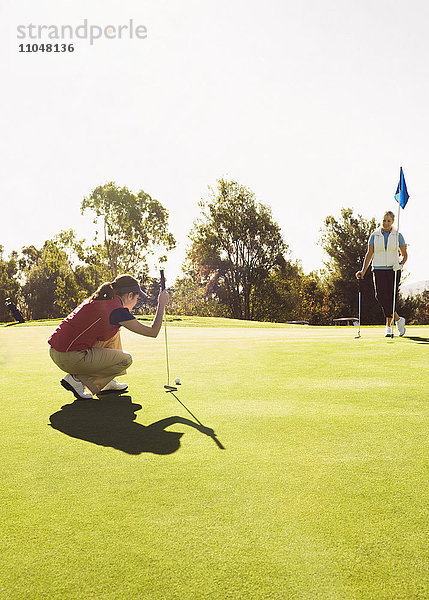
x,y
87,344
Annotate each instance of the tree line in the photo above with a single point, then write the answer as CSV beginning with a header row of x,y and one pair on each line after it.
x,y
237,264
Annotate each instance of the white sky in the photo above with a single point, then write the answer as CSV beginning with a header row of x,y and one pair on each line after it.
x,y
313,105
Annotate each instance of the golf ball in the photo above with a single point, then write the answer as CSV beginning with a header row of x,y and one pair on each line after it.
x,y
177,380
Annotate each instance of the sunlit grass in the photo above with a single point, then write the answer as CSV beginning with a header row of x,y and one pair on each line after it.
x,y
320,493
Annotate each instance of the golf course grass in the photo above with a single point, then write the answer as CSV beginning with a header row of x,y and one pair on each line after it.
x,y
320,492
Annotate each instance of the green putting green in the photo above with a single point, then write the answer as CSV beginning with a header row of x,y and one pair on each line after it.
x,y
320,493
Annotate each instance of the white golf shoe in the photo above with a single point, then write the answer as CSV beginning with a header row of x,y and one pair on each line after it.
x,y
389,332
76,387
114,387
401,326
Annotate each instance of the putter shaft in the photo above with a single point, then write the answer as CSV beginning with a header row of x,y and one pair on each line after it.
x,y
166,348
165,331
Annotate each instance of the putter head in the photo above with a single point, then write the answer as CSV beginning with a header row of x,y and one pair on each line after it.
x,y
170,388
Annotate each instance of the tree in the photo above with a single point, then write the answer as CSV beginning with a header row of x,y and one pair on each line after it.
x,y
89,262
190,298
415,308
421,314
234,245
288,294
276,298
50,289
9,284
346,241
133,226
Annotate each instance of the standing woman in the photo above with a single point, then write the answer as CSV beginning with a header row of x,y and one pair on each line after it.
x,y
382,251
87,344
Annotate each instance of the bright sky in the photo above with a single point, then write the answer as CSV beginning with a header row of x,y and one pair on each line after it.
x,y
313,105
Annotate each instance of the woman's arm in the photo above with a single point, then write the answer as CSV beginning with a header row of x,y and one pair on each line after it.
x,y
366,262
153,329
404,253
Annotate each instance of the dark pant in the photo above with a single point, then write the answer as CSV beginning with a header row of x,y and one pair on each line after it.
x,y
383,286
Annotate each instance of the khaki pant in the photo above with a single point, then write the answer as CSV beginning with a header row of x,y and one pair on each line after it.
x,y
97,366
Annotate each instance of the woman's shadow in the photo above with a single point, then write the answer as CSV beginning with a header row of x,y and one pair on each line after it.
x,y
419,340
111,422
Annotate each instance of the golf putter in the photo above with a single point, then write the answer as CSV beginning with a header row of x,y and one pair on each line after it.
x,y
171,388
168,387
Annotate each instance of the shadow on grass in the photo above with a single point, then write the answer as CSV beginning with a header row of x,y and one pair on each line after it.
x,y
110,422
419,340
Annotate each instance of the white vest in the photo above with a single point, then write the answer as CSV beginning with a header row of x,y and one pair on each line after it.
x,y
385,257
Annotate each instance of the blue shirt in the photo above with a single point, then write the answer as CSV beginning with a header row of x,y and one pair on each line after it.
x,y
386,235
118,315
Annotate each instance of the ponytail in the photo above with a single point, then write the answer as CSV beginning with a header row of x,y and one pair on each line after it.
x,y
104,292
123,284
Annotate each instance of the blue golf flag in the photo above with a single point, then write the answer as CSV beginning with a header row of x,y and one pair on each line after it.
x,y
401,190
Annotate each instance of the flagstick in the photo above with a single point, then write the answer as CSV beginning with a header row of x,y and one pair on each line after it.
x,y
395,273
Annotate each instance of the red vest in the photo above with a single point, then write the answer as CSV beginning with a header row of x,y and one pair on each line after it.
x,y
86,325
